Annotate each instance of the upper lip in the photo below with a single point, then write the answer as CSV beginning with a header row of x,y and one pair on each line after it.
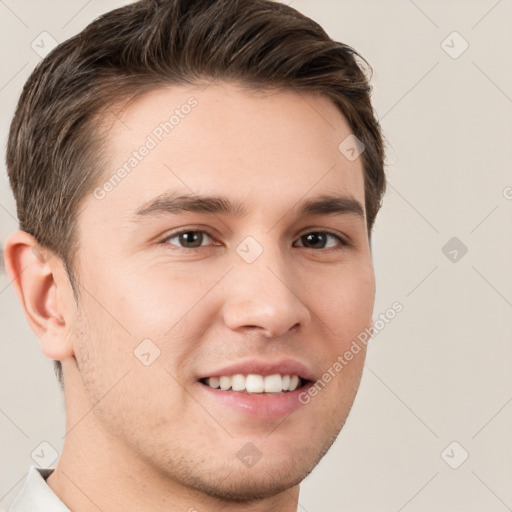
x,y
262,367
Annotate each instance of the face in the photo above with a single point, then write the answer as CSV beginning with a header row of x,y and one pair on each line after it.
x,y
180,293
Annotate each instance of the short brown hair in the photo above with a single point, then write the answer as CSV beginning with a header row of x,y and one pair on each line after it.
x,y
52,152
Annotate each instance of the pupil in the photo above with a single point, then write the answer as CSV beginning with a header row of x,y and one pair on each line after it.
x,y
191,237
313,238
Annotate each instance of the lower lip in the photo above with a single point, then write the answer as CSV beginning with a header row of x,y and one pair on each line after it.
x,y
260,405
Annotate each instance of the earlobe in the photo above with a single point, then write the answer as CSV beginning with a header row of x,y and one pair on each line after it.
x,y
37,278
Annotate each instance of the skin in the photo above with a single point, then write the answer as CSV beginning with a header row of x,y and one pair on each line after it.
x,y
149,431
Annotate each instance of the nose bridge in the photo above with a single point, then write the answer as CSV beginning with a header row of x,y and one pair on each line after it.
x,y
262,292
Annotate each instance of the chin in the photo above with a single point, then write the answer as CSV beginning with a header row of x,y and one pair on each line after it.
x,y
235,482
251,484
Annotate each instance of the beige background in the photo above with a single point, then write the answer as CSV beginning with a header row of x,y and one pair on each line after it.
x,y
441,370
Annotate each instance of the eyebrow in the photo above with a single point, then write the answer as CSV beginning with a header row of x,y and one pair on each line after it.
x,y
178,203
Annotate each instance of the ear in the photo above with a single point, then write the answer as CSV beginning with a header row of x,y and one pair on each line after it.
x,y
43,288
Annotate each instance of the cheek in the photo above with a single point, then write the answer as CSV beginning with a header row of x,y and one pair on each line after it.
x,y
348,313
155,303
345,302
141,313
123,389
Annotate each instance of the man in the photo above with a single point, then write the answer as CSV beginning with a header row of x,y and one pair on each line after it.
x,y
196,184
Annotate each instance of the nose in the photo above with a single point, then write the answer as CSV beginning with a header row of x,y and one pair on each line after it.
x,y
264,295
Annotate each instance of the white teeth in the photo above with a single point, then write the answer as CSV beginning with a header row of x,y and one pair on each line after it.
x,y
294,382
214,382
273,383
238,382
225,383
253,383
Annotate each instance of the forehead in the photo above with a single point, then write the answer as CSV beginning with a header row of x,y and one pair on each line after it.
x,y
271,147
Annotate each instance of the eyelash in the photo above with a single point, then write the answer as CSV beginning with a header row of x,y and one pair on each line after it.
x,y
341,241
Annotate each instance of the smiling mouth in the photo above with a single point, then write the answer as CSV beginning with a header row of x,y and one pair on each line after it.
x,y
256,384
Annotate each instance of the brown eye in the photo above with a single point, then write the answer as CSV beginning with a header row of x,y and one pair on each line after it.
x,y
319,239
190,239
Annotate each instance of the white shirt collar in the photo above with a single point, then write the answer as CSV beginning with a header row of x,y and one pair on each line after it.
x,y
36,495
